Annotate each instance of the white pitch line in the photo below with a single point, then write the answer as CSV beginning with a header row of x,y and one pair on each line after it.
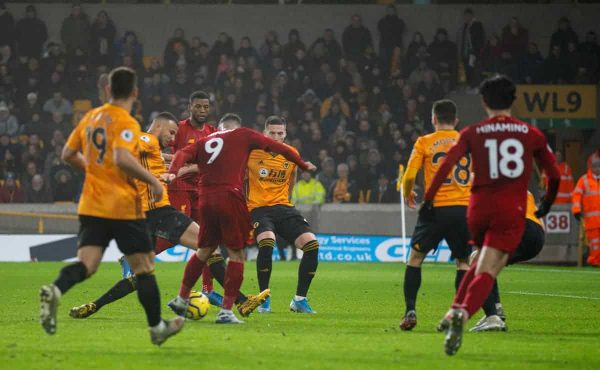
x,y
556,295
573,271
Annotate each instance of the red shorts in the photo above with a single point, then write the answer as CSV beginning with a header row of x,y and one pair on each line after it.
x,y
224,220
494,223
186,202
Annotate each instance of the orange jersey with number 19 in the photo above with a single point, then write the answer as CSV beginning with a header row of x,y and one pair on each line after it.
x,y
428,153
152,160
107,191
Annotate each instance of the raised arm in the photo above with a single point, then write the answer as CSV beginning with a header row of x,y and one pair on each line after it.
x,y
182,157
259,141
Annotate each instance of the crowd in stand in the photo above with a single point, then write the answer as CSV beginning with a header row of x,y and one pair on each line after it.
x,y
354,108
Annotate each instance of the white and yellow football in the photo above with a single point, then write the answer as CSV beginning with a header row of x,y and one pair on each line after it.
x,y
198,307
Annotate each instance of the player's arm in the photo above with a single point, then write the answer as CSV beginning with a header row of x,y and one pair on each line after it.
x,y
72,150
547,162
415,162
182,157
187,169
259,141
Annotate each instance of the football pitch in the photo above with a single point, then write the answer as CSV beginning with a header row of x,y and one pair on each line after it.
x,y
553,323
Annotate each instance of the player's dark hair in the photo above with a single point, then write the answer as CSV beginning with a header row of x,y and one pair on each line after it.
x,y
122,81
166,116
231,117
498,92
199,95
275,120
445,111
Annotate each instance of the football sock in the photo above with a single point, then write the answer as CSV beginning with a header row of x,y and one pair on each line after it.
x,y
191,273
234,276
412,283
149,297
217,268
308,267
207,277
464,284
162,245
489,306
460,274
264,262
496,292
70,275
479,289
118,291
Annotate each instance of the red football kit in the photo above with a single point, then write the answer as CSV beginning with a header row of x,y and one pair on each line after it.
x,y
502,149
222,159
183,191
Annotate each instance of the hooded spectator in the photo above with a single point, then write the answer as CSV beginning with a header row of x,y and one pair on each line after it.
x,y
356,38
31,34
103,35
75,30
563,35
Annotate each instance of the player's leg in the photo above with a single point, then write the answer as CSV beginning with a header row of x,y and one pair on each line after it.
x,y
234,276
206,273
94,235
307,242
121,289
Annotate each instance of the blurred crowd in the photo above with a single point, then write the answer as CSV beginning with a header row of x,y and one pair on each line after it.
x,y
353,107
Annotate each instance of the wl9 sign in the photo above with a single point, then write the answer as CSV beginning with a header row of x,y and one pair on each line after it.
x,y
556,101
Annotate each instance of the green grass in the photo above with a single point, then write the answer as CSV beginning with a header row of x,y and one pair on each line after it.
x,y
359,309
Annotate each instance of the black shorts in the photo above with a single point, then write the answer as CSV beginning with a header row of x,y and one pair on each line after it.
x,y
451,225
168,223
531,243
284,221
132,236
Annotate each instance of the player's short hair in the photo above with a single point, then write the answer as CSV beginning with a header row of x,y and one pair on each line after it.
x,y
275,120
445,111
498,92
231,117
166,116
199,95
122,81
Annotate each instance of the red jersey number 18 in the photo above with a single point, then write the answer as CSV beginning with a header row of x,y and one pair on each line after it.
x,y
505,159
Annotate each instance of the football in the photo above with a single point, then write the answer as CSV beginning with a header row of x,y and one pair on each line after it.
x,y
198,307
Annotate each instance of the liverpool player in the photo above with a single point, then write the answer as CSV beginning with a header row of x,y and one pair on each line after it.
x,y
222,159
183,191
164,220
105,146
502,149
270,179
450,204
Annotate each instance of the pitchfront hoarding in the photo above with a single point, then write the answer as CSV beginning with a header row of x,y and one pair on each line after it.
x,y
333,248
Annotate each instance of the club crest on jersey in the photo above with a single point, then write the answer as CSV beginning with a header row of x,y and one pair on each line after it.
x,y
127,135
263,172
145,138
286,165
191,141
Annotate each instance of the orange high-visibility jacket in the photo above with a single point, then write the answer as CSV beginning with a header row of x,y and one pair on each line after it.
x,y
586,200
565,188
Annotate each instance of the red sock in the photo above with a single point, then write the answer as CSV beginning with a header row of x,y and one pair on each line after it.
x,y
234,275
162,245
464,284
479,289
191,274
207,279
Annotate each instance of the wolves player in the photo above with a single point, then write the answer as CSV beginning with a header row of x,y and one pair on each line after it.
x,y
530,246
105,146
222,159
164,220
270,179
450,204
503,149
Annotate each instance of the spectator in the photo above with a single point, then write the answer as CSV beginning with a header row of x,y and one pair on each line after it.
x,y
343,189
555,67
11,192
490,56
391,31
267,48
472,40
246,49
327,175
382,192
222,46
586,205
129,46
31,34
531,65
356,38
102,35
8,123
36,191
294,44
30,171
333,49
7,34
58,104
590,54
442,59
75,30
308,190
53,58
414,53
563,35
515,39
30,107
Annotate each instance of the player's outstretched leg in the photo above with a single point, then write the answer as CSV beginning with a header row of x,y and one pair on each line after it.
x,y
50,294
207,275
121,289
234,276
191,274
492,321
306,273
264,266
455,319
126,270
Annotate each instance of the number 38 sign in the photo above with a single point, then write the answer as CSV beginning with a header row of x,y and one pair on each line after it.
x,y
558,222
